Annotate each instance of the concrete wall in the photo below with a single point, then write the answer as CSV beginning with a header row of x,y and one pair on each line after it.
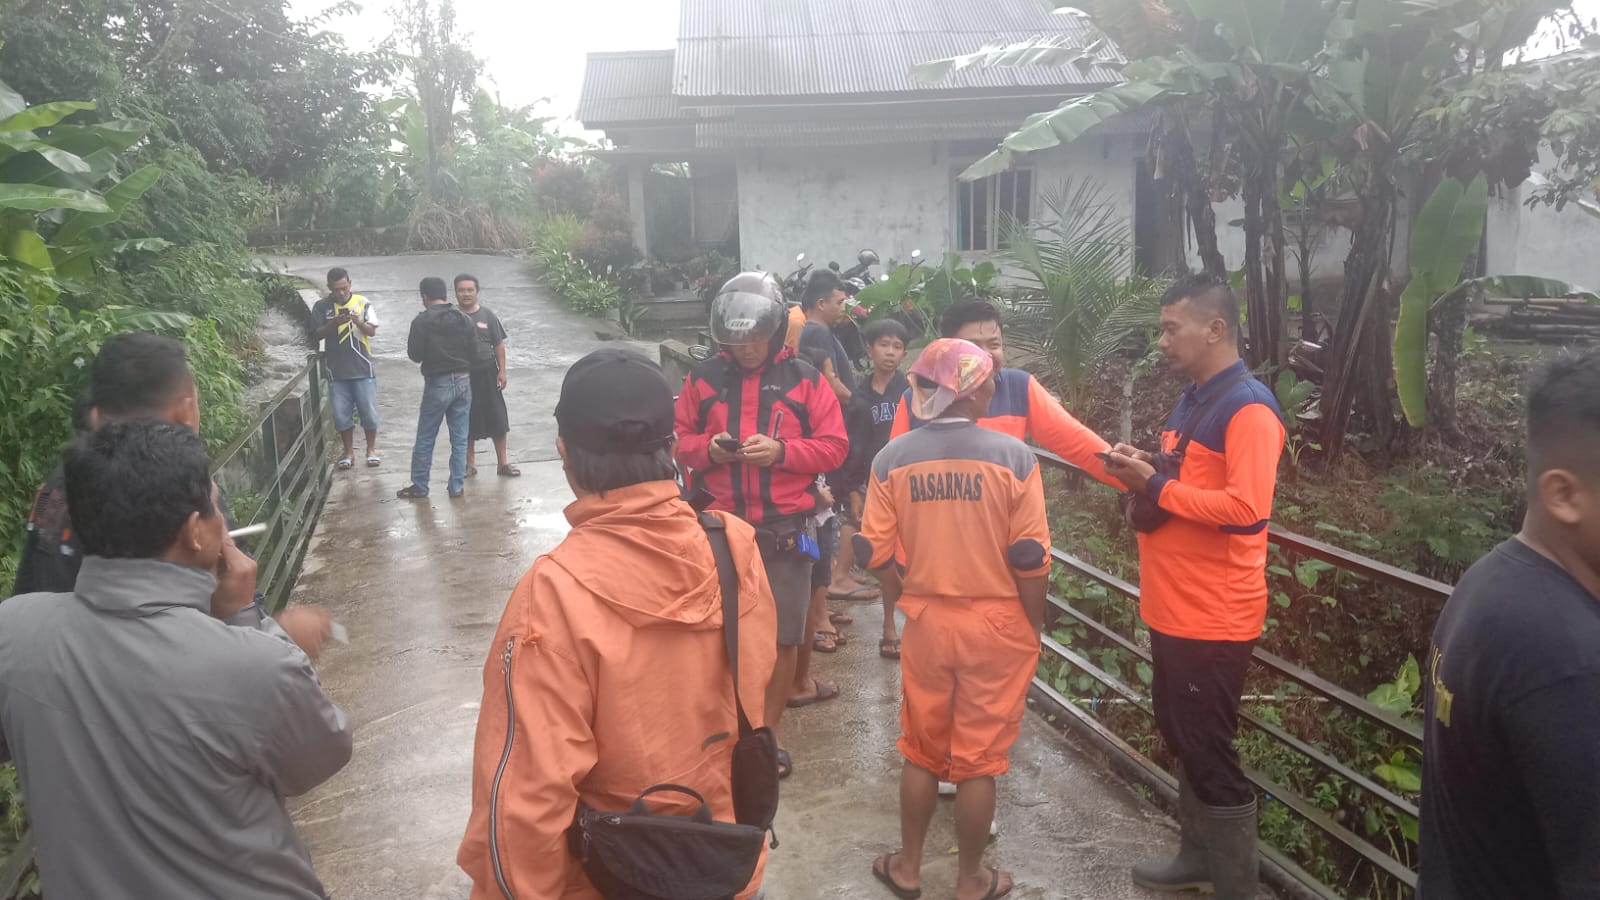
x,y
829,203
1540,241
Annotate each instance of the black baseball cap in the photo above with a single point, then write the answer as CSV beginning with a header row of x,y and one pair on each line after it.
x,y
615,401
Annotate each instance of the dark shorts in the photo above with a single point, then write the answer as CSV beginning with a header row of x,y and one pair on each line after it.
x,y
828,543
489,418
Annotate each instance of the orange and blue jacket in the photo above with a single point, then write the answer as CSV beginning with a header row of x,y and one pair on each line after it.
x,y
1202,575
967,505
608,674
1022,408
787,399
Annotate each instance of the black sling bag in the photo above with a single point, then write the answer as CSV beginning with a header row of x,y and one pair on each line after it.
x,y
640,855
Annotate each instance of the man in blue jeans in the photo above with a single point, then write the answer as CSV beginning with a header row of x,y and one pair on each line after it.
x,y
345,323
443,341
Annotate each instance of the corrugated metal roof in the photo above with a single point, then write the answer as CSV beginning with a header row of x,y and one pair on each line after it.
x,y
794,48
633,86
848,133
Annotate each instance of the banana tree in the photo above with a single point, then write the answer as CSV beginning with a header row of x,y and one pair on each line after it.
x,y
1446,235
53,198
1247,66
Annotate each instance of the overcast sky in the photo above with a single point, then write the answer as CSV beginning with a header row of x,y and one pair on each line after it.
x,y
536,49
531,49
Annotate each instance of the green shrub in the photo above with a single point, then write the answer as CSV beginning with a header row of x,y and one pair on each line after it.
x,y
581,289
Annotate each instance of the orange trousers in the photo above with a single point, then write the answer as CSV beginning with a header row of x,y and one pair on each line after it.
x,y
965,667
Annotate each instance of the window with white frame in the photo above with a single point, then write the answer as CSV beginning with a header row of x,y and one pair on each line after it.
x,y
983,206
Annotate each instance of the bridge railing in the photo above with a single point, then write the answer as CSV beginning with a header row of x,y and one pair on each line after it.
x,y
275,472
1350,822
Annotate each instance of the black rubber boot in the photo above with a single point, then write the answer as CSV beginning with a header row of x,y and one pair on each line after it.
x,y
1188,871
1230,839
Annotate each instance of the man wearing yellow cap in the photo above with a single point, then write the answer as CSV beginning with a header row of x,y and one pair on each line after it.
x,y
967,505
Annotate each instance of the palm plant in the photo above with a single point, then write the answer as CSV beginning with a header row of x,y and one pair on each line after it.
x,y
1078,304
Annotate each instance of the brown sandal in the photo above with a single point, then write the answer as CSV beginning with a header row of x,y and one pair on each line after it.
x,y
889,648
825,642
508,471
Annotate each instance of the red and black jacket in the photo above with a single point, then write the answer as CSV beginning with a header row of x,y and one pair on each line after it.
x,y
719,396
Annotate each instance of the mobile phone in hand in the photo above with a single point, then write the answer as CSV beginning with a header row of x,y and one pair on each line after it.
x,y
731,445
1105,457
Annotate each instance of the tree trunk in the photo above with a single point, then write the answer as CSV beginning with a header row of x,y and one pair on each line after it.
x,y
1202,218
1258,316
1450,325
1277,283
1125,429
1365,271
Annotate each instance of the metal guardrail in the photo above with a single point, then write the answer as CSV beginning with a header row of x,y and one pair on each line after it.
x,y
1130,762
276,471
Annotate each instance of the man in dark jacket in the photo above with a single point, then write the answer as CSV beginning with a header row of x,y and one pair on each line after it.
x,y
155,743
136,375
756,426
443,342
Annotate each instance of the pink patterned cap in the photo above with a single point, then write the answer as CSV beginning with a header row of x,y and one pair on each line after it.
x,y
957,368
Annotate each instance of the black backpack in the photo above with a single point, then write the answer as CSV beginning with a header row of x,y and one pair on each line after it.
x,y
640,855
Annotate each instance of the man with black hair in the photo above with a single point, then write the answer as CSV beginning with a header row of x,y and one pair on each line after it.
x,y
444,342
1021,408
345,323
823,304
489,418
155,744
1511,740
136,375
575,705
1202,578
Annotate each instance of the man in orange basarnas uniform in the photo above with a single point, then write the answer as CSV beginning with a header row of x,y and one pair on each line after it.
x,y
608,673
1202,521
1021,408
967,505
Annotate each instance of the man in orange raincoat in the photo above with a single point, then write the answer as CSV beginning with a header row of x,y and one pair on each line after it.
x,y
608,672
967,505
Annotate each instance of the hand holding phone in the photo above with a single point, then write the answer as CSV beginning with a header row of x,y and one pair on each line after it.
x,y
729,444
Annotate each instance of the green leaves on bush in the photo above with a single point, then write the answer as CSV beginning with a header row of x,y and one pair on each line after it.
x,y
582,290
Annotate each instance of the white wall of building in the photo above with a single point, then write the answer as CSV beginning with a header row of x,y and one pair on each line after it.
x,y
1537,240
831,202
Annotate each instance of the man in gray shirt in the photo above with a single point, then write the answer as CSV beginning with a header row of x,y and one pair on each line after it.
x,y
154,742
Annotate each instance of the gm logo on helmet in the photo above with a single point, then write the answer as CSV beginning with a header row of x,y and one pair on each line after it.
x,y
739,324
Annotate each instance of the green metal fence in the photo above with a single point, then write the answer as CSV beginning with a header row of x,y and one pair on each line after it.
x,y
1371,868
276,472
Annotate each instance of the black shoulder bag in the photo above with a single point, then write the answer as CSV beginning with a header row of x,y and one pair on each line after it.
x,y
1146,515
640,855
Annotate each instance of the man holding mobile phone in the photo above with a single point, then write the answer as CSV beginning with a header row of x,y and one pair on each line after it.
x,y
755,428
345,323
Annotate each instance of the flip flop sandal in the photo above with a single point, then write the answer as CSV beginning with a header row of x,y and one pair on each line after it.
x,y
471,471
345,462
785,764
373,461
839,618
880,871
824,642
862,594
994,885
889,649
410,492
508,471
824,692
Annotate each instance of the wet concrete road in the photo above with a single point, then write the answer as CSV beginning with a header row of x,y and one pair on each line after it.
x,y
420,586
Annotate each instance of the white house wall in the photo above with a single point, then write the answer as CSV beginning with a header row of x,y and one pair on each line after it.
x,y
1537,240
831,202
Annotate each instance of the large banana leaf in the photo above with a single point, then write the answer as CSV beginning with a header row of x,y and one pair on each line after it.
x,y
12,144
38,198
1267,31
11,102
1044,50
1065,124
25,246
117,199
1446,233
43,116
